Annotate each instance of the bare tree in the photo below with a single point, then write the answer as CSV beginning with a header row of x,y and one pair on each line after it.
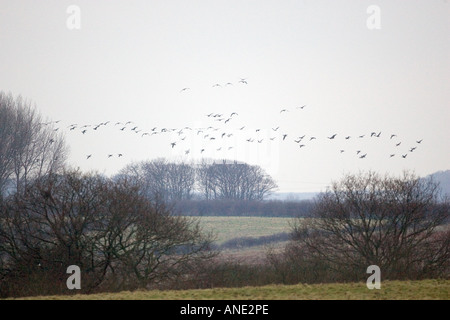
x,y
170,180
397,223
29,148
233,180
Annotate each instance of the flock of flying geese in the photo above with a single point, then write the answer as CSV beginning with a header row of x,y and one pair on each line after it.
x,y
222,128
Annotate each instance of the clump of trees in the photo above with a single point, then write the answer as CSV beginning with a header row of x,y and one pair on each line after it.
x,y
234,181
169,180
118,238
177,181
29,146
397,223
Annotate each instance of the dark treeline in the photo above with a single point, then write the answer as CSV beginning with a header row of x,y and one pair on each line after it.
x,y
266,208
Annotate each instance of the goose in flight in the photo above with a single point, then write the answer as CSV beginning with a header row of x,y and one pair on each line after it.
x,y
109,156
404,156
120,155
243,81
392,155
173,144
312,138
284,136
392,136
184,89
284,110
419,141
333,136
397,144
88,156
363,156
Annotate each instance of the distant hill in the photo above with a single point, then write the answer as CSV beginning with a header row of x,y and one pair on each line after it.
x,y
443,178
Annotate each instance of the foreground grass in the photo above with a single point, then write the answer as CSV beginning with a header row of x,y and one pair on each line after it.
x,y
390,290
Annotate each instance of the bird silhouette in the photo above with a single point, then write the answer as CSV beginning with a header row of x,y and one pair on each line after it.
x,y
88,156
419,141
333,136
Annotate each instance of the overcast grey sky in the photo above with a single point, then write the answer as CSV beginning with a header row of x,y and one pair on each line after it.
x,y
130,60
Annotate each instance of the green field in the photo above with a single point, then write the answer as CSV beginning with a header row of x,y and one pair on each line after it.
x,y
390,290
227,228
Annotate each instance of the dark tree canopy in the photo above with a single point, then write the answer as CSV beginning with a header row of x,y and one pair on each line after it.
x,y
396,223
107,228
